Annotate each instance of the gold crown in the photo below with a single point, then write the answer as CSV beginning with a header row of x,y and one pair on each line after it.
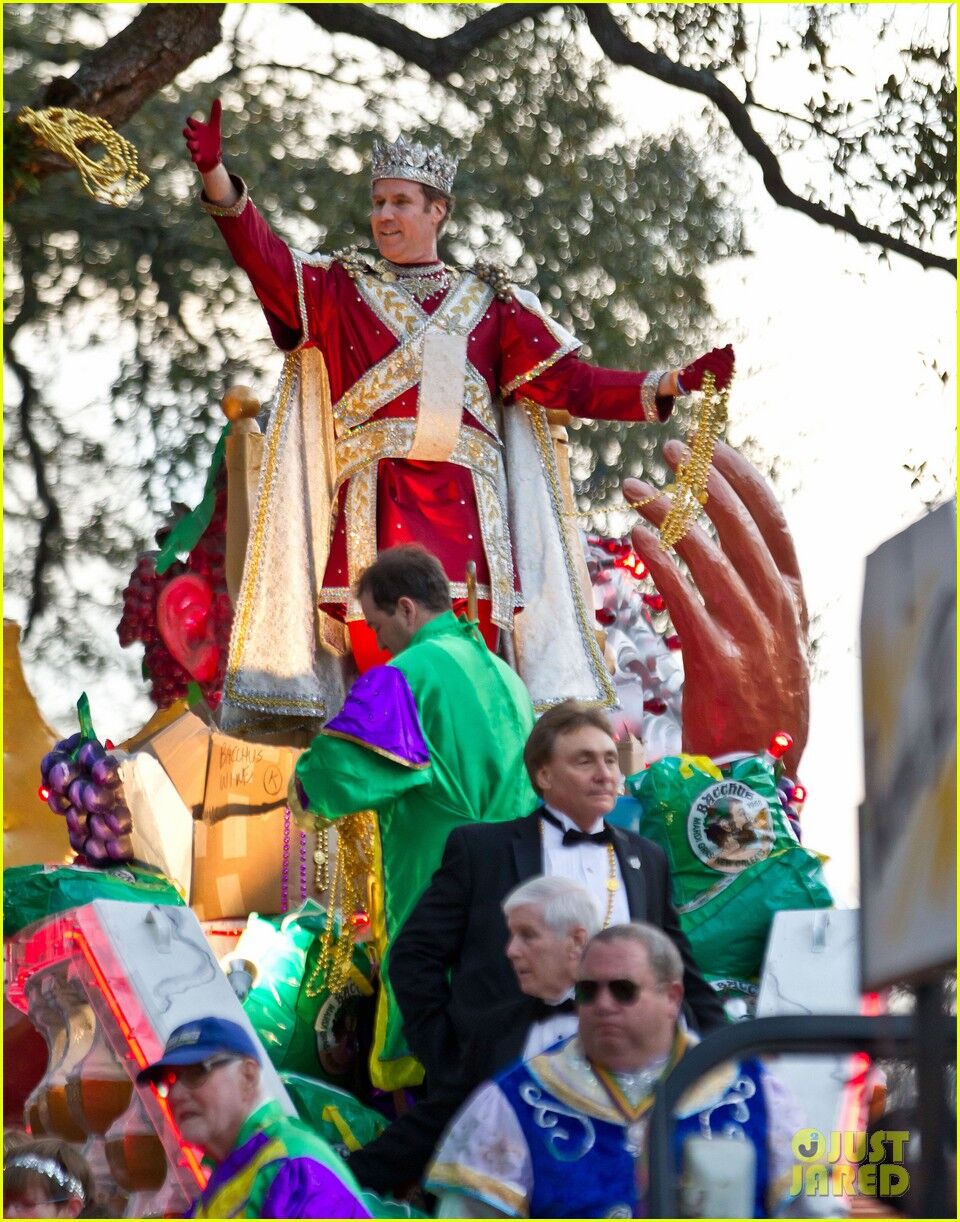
x,y
413,162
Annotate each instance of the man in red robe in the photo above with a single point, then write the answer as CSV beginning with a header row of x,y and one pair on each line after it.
x,y
437,383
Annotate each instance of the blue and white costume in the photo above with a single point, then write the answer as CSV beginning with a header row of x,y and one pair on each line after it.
x,y
554,1137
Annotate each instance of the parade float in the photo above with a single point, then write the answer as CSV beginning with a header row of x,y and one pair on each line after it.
x,y
170,868
167,875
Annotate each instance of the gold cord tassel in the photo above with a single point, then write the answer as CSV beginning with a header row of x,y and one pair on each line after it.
x,y
115,178
689,489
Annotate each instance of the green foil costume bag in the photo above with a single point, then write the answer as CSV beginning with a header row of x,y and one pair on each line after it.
x,y
289,1004
734,860
36,891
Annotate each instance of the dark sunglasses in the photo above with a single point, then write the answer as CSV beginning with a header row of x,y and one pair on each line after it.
x,y
625,992
190,1076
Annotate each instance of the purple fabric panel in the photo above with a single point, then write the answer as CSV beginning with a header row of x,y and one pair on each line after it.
x,y
304,1188
380,711
232,1165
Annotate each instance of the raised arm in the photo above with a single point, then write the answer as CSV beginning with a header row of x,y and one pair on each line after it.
x,y
203,144
254,246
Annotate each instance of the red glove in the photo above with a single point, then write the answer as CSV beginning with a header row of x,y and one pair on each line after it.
x,y
203,139
718,361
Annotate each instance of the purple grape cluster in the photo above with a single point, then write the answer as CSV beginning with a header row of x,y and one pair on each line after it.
x,y
81,781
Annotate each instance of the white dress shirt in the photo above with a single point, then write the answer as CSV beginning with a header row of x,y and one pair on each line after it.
x,y
549,1031
587,864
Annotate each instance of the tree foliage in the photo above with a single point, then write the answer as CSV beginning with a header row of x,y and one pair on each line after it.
x,y
614,233
124,327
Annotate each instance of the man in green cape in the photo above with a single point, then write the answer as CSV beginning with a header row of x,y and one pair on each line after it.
x,y
432,740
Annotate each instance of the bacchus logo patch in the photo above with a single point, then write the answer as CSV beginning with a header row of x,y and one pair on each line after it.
x,y
730,827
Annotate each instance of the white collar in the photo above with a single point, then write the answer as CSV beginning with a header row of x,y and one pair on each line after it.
x,y
568,823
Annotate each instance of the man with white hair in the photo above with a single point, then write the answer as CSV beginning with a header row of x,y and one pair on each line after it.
x,y
562,1135
549,921
266,1164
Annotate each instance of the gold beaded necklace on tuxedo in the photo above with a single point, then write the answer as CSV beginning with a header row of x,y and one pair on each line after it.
x,y
613,882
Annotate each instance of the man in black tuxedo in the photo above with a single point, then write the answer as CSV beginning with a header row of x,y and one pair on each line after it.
x,y
549,921
448,963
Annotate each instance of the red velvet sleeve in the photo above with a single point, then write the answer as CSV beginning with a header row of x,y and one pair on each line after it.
x,y
539,366
269,264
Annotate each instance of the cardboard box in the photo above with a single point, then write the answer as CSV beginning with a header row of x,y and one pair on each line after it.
x,y
238,866
238,843
246,778
183,748
236,792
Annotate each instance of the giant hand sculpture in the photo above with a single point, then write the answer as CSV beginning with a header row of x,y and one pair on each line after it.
x,y
742,620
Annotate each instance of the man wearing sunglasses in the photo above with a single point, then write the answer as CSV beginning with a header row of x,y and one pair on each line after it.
x,y
562,1134
266,1164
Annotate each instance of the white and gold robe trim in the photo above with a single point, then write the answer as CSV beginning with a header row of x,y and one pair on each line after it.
x,y
276,664
557,650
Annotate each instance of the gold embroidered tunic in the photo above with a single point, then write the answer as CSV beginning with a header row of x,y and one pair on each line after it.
x,y
428,396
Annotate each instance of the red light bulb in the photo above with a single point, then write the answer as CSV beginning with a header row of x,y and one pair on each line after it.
x,y
43,793
780,744
799,795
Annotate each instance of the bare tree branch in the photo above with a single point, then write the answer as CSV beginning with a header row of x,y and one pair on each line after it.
x,y
51,521
439,57
436,56
620,49
115,80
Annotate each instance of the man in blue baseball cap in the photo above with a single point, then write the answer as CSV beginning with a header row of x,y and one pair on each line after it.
x,y
266,1164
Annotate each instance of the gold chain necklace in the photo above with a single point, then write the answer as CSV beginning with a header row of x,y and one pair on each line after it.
x,y
613,883
419,282
689,488
115,178
688,492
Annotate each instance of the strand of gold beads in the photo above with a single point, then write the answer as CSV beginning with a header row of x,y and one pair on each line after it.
x,y
689,488
353,861
113,179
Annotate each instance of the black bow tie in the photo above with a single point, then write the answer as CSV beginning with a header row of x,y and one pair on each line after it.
x,y
545,1009
574,836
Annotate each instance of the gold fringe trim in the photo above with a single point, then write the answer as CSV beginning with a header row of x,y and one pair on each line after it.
x,y
387,755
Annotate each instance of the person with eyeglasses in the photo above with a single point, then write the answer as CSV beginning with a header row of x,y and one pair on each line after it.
x,y
563,1134
265,1164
